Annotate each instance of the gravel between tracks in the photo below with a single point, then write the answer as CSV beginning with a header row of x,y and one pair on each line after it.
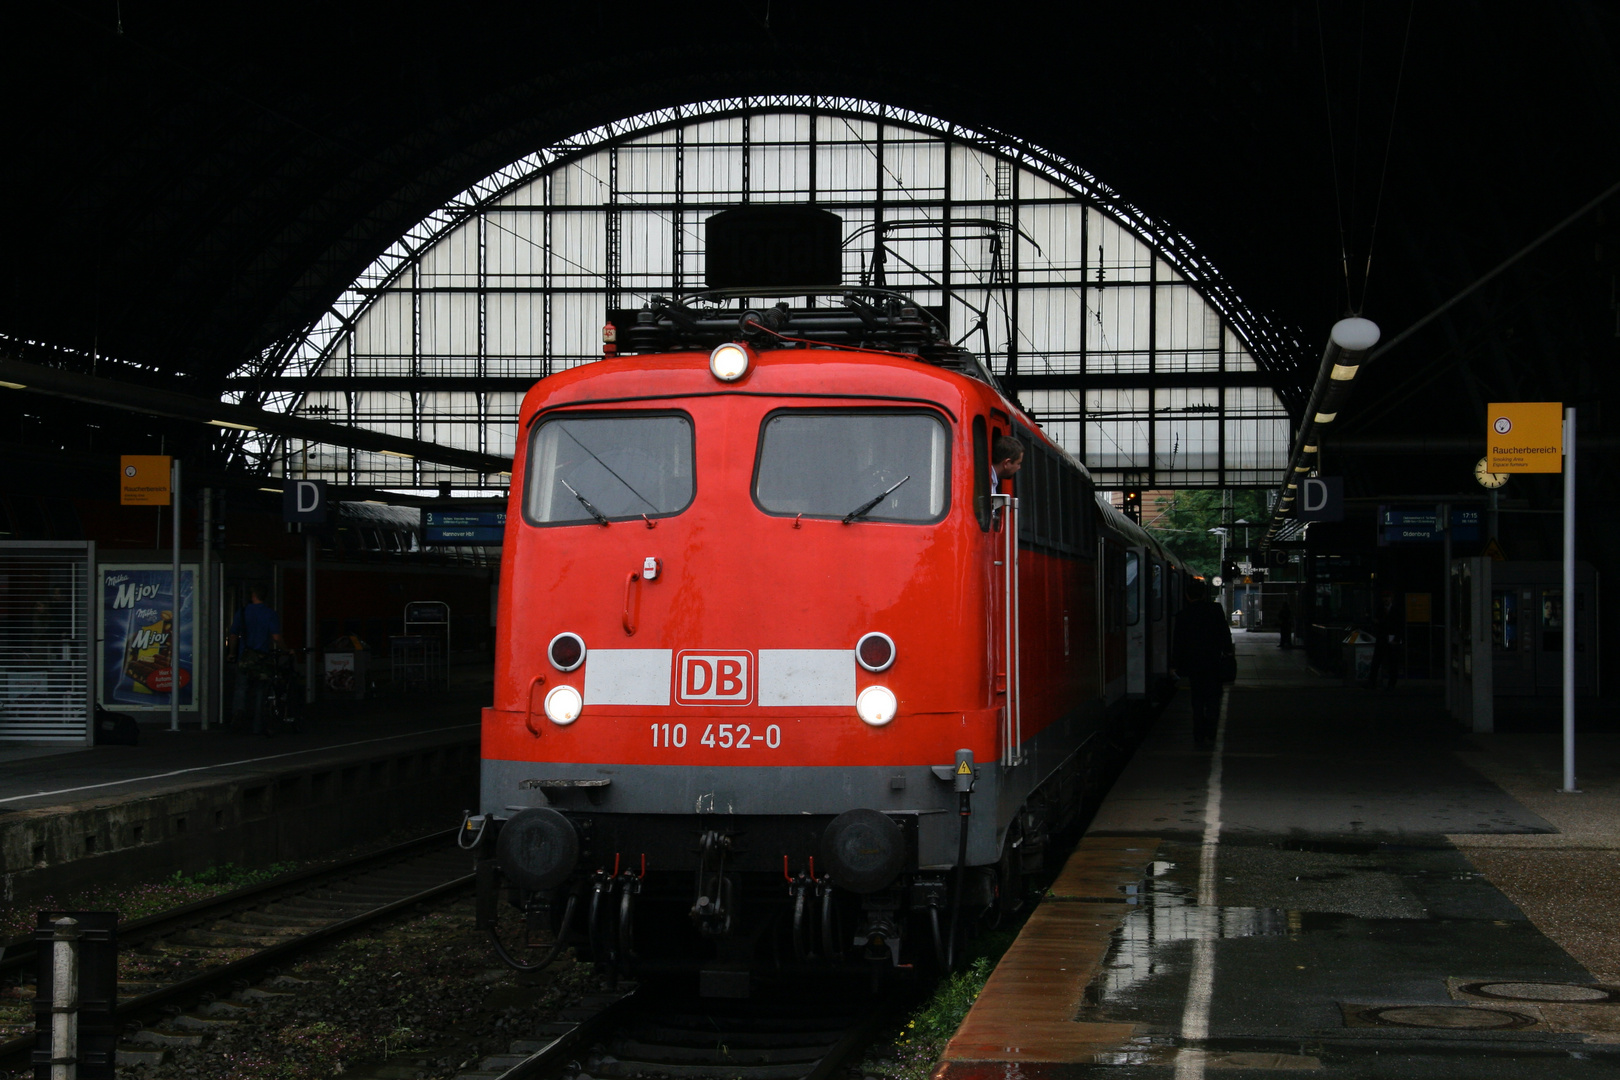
x,y
418,996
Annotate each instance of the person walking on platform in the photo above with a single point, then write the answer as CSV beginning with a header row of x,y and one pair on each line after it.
x,y
257,628
1203,651
1285,623
1386,645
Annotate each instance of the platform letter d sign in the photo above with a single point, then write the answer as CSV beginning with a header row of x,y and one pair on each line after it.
x,y
304,500
1321,498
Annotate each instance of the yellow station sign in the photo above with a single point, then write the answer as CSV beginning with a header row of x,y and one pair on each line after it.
x,y
143,480
1525,437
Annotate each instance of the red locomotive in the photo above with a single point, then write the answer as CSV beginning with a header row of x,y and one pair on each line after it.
x,y
777,670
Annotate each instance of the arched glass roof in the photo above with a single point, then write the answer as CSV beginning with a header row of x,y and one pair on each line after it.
x,y
1116,332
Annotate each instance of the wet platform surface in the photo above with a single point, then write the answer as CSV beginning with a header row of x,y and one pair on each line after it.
x,y
1349,886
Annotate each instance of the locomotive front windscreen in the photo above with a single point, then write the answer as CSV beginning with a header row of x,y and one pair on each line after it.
x,y
831,464
618,466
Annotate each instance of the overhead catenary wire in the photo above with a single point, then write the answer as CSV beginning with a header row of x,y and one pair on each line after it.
x,y
1489,275
1333,155
1389,145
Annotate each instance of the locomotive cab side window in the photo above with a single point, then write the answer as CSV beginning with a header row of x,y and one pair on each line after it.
x,y
869,465
1054,498
981,474
624,465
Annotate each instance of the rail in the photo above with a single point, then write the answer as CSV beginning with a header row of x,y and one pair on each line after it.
x,y
15,1052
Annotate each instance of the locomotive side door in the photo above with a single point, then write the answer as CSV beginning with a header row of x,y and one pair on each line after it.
x,y
998,516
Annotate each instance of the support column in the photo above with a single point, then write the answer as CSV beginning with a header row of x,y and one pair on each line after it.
x,y
309,615
1569,601
204,651
174,600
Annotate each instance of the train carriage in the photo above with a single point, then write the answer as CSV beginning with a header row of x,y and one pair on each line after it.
x,y
777,670
1152,593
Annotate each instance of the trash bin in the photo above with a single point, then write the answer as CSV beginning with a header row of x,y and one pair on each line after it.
x,y
1356,656
346,668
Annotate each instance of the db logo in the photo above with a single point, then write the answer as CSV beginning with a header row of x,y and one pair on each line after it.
x,y
714,678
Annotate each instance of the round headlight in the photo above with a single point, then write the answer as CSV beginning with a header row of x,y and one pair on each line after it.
x,y
566,651
729,362
875,651
876,705
563,705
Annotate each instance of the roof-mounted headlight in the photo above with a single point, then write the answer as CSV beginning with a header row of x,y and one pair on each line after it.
x,y
730,361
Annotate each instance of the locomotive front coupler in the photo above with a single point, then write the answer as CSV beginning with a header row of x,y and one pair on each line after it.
x,y
714,902
879,935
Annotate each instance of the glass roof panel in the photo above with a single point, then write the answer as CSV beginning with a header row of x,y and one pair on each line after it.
x,y
1142,359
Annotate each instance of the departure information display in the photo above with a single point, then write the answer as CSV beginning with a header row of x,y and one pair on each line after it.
x,y
475,527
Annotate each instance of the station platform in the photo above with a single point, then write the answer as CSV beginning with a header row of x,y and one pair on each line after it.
x,y
1347,885
71,817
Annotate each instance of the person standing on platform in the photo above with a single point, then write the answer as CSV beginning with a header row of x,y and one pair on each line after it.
x,y
257,628
1285,623
1203,650
1386,645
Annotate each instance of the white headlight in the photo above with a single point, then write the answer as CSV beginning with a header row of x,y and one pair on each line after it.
x,y
876,705
729,362
563,704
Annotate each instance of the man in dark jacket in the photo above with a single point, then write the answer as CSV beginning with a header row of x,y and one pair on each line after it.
x,y
1203,642
1386,645
258,628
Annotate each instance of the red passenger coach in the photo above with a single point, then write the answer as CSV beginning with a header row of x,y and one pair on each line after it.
x,y
778,674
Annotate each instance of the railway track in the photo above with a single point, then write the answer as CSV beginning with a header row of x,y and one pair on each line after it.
x,y
784,1034
191,953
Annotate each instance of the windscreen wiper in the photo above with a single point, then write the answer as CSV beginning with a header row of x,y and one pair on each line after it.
x,y
608,468
586,503
862,510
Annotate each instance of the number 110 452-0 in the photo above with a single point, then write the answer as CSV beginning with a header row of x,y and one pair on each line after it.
x,y
719,736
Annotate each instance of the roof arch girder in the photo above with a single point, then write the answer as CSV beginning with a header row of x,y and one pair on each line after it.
x,y
1118,332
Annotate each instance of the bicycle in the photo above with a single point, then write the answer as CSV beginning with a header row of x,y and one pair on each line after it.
x,y
284,696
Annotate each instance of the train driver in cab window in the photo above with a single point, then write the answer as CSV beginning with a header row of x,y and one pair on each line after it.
x,y
1006,458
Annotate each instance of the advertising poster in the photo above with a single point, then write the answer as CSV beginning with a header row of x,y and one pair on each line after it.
x,y
148,638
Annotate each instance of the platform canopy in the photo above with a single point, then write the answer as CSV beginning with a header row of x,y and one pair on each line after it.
x,y
1112,328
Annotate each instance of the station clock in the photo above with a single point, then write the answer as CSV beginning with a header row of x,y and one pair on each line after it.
x,y
1486,478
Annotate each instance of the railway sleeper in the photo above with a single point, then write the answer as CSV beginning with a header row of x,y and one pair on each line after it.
x,y
358,895
229,936
734,1054
291,922
784,1071
692,1034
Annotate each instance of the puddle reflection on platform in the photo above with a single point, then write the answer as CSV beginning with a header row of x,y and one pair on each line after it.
x,y
1151,941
